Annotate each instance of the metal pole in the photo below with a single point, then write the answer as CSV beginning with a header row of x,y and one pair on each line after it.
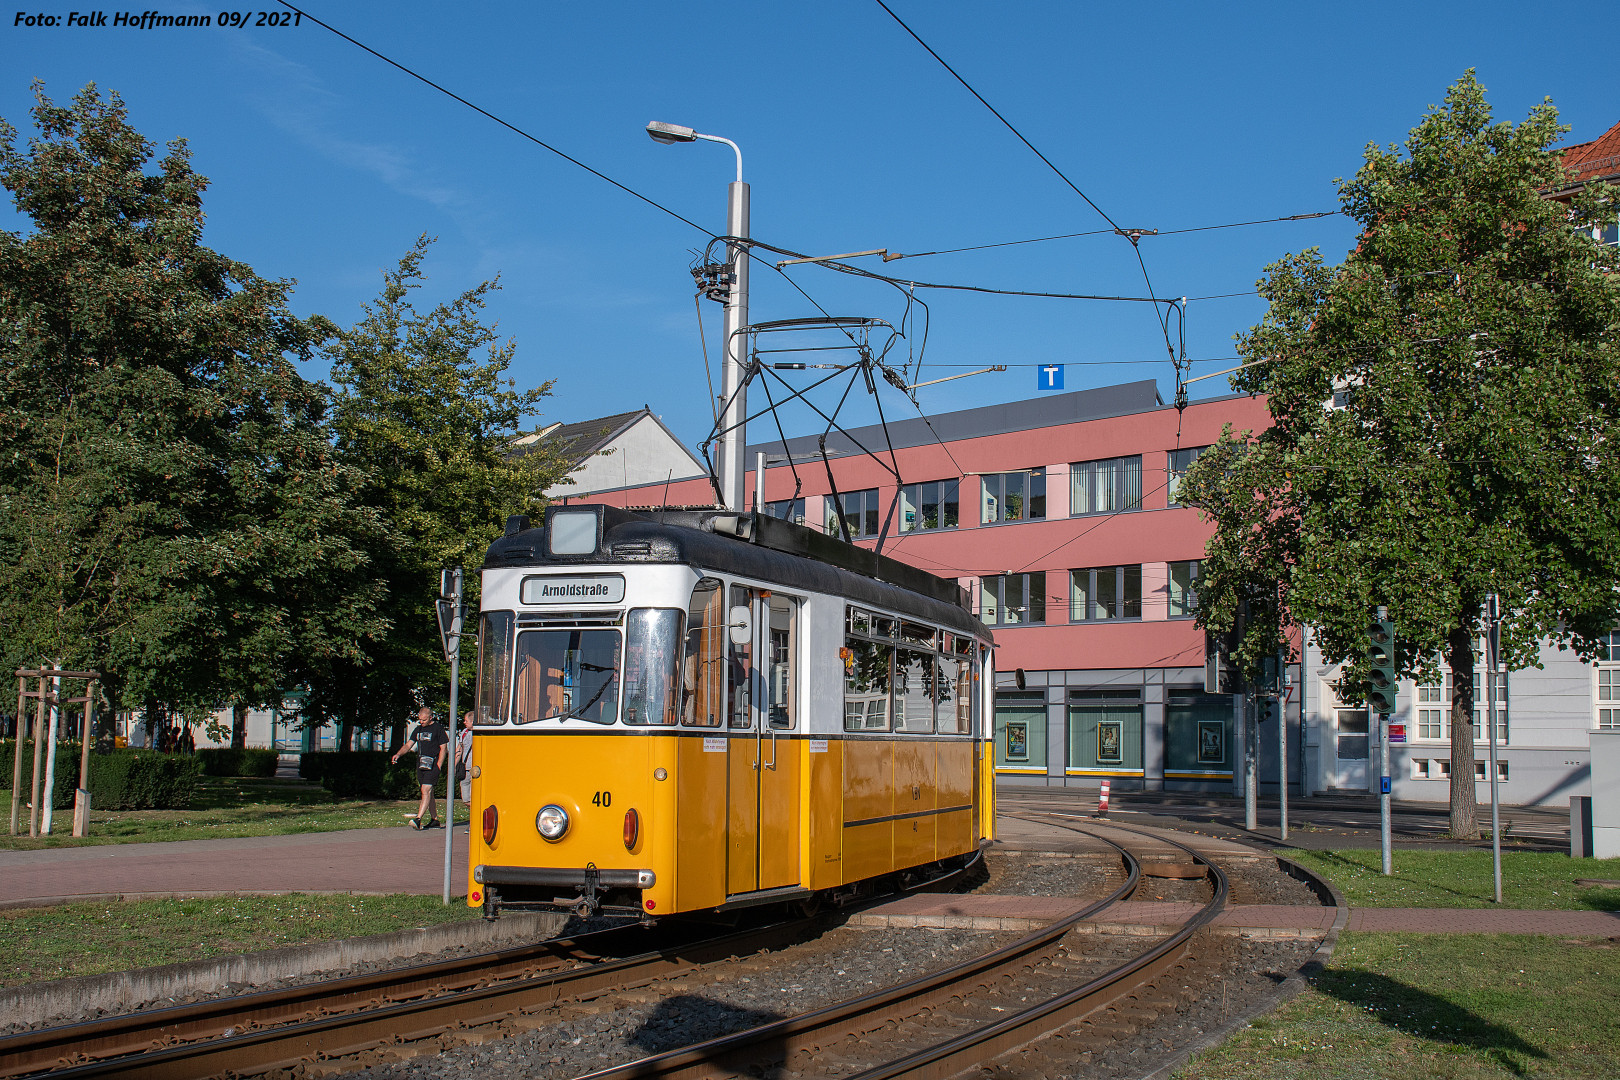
x,y
732,443
1492,661
1383,773
455,730
1251,737
1282,748
759,482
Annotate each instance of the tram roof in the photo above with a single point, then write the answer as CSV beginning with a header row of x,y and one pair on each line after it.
x,y
748,545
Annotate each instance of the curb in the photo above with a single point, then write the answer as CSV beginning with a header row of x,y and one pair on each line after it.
x,y
184,894
127,991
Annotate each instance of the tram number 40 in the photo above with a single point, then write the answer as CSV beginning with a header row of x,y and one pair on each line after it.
x,y
602,798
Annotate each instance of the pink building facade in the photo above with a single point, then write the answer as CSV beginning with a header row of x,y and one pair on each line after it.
x,y
1058,515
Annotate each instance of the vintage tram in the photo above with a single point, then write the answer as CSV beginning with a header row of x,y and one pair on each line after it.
x,y
688,711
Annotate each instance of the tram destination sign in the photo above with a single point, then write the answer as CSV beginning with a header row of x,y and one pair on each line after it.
x,y
574,589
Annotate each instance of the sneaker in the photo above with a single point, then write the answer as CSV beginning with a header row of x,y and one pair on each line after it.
x,y
416,824
434,824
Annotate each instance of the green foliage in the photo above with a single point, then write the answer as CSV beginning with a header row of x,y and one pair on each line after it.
x,y
172,511
67,771
228,761
1473,332
143,780
424,409
311,763
369,774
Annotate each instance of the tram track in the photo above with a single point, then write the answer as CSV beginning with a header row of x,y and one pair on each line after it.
x,y
252,1034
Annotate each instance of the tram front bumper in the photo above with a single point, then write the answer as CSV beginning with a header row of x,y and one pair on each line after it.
x,y
569,876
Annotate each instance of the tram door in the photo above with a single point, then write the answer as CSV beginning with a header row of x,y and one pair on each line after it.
x,y
763,767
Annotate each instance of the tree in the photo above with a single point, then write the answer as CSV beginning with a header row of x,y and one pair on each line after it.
x,y
171,510
424,409
1444,408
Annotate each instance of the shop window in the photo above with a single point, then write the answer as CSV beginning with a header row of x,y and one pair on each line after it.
x,y
1197,734
934,505
1021,731
1104,487
1013,599
1105,731
1106,592
1013,496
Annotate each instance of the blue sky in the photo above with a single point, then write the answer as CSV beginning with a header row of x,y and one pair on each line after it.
x,y
326,163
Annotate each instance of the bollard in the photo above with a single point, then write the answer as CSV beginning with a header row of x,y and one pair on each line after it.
x,y
1102,800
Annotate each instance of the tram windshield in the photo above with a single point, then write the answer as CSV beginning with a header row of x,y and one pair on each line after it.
x,y
563,674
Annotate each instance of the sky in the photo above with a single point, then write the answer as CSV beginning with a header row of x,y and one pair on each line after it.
x,y
326,163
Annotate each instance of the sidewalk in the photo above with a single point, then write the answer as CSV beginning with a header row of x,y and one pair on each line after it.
x,y
355,861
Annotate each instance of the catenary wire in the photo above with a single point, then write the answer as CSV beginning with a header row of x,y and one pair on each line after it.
x,y
504,123
1108,232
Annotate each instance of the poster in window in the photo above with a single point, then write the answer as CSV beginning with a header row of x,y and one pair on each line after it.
x,y
1017,741
1110,741
1211,742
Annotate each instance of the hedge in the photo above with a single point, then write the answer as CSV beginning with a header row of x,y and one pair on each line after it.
x,y
365,774
226,761
119,780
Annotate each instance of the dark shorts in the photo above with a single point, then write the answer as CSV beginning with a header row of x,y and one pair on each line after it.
x,y
427,776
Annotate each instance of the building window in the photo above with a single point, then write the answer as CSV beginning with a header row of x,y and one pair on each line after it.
x,y
859,510
788,510
1102,487
1179,462
1013,599
1431,712
1013,496
1107,592
1480,705
1021,731
1608,684
1481,774
1105,731
934,505
1183,589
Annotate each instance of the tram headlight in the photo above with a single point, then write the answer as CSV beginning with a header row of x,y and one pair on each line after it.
x,y
552,821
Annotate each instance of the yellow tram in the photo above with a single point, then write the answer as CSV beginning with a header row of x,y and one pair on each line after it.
x,y
710,710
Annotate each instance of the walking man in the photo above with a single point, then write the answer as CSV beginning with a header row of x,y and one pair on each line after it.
x,y
432,745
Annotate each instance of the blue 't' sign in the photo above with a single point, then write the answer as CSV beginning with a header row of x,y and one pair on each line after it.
x,y
1049,377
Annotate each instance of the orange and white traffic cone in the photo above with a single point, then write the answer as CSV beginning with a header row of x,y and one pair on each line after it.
x,y
1102,800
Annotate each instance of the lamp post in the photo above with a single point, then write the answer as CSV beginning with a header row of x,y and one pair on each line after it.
x,y
730,446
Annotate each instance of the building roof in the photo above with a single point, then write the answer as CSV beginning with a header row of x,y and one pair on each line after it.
x,y
1046,411
1595,160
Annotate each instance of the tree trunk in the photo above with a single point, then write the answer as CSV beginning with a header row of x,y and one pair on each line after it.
x,y
1464,805
345,734
239,711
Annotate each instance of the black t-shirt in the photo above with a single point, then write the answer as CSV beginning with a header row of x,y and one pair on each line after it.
x,y
429,738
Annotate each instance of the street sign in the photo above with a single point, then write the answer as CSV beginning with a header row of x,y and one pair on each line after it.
x,y
1049,377
1397,733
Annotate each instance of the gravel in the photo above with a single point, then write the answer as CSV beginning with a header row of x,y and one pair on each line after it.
x,y
1260,881
1019,874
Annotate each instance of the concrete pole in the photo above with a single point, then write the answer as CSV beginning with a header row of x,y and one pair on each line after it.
x,y
1383,773
733,441
1251,747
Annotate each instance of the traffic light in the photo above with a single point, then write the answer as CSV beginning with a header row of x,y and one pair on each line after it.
x,y
1266,706
1381,665
1221,676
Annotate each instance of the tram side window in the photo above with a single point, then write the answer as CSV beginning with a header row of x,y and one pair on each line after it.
x,y
494,661
914,691
783,647
567,674
954,696
703,668
651,666
866,684
740,672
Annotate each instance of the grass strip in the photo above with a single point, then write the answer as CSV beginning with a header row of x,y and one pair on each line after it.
x,y
227,807
1448,1006
1534,880
94,938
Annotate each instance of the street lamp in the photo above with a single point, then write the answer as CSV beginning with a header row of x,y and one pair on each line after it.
x,y
731,443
